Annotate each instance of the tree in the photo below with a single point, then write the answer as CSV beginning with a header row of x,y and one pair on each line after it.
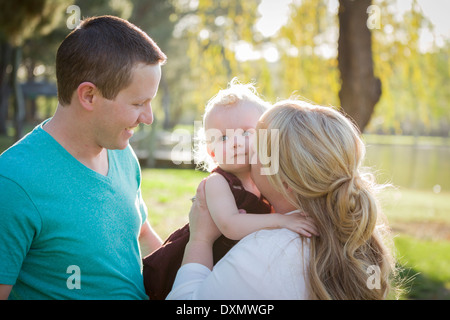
x,y
413,101
156,18
360,89
306,70
20,20
212,32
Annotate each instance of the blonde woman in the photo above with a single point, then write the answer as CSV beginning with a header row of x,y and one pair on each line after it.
x,y
319,172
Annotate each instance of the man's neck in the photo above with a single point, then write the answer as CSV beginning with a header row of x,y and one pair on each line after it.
x,y
75,138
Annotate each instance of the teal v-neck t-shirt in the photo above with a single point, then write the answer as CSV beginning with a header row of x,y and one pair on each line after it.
x,y
66,231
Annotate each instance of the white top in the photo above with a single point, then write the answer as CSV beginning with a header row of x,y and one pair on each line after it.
x,y
265,265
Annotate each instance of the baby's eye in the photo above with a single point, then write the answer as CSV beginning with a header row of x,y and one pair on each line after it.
x,y
223,138
248,132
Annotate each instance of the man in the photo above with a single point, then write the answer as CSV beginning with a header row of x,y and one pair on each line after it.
x,y
71,210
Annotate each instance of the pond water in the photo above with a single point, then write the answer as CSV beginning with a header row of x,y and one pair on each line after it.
x,y
417,166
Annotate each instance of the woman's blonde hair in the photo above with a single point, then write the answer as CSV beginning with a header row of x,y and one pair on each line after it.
x,y
320,155
234,94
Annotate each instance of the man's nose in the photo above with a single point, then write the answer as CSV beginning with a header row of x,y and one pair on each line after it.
x,y
146,116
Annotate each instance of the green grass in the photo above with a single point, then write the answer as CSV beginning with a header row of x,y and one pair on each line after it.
x,y
416,205
420,220
167,193
427,264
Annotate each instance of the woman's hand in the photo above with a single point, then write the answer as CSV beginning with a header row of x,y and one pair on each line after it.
x,y
203,232
202,226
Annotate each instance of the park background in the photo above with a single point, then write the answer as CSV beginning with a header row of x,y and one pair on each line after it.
x,y
286,47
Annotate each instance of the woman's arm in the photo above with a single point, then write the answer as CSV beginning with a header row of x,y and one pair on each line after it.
x,y
203,232
235,226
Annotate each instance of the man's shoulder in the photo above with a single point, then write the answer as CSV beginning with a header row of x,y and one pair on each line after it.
x,y
26,156
18,152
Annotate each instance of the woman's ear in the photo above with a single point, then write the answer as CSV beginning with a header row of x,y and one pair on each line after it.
x,y
86,93
286,187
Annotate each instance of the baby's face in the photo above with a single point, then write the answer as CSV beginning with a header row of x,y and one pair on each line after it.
x,y
230,133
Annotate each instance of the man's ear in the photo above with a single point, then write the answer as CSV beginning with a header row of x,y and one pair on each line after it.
x,y
86,93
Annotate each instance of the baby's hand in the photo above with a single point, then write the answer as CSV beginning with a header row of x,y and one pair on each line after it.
x,y
300,223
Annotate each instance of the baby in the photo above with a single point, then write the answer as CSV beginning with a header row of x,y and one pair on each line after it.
x,y
225,144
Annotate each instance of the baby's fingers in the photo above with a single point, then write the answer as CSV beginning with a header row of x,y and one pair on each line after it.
x,y
306,227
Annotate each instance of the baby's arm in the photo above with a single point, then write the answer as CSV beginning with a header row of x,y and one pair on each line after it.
x,y
235,226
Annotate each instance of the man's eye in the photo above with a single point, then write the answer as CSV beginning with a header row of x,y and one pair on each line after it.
x,y
223,138
247,133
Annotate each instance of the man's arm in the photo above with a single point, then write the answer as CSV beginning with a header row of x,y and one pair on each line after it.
x,y
5,290
148,239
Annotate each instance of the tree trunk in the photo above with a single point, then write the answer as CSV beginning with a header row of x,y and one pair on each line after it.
x,y
360,89
5,59
30,101
19,103
165,102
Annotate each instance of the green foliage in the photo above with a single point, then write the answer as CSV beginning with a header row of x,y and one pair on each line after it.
x,y
23,19
413,99
201,39
206,36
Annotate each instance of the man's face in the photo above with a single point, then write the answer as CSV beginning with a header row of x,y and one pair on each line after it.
x,y
115,120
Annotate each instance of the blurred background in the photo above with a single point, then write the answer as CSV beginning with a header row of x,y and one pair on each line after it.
x,y
386,63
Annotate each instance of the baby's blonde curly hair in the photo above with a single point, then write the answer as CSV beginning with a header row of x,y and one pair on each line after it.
x,y
234,94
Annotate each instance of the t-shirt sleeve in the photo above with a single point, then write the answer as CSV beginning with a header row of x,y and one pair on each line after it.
x,y
137,169
19,225
142,207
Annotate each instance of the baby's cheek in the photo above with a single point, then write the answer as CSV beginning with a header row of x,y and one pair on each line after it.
x,y
252,149
220,153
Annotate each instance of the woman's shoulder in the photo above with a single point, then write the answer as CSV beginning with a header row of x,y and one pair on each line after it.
x,y
275,237
272,245
272,262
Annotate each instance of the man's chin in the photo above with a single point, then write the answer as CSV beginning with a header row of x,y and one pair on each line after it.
x,y
117,146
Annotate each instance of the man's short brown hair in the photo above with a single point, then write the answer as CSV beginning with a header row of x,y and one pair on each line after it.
x,y
103,50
